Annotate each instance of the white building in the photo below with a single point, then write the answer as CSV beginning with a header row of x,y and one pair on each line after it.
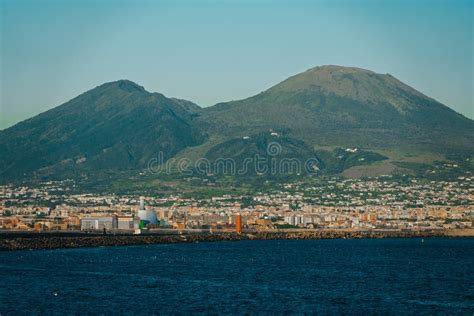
x,y
127,223
148,216
99,223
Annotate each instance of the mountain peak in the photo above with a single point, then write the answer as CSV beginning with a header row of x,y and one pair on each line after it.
x,y
125,85
353,83
330,69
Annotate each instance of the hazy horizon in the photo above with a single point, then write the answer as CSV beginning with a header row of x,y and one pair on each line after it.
x,y
213,52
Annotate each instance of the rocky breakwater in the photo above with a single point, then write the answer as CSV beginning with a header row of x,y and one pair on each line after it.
x,y
51,241
348,234
54,241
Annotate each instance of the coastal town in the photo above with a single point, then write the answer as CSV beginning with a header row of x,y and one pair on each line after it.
x,y
335,203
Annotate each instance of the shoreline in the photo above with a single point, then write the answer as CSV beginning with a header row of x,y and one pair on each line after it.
x,y
12,241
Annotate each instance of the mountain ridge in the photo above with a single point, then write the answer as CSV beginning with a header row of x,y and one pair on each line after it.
x,y
120,126
361,101
117,122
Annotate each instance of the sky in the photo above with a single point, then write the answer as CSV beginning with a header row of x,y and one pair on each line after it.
x,y
216,51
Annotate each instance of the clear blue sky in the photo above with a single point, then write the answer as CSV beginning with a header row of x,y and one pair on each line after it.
x,y
213,51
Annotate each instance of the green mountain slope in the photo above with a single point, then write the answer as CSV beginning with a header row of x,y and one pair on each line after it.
x,y
318,114
116,126
265,153
347,107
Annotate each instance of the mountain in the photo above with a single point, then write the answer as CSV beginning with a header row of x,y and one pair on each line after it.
x,y
347,107
341,117
116,126
189,106
265,153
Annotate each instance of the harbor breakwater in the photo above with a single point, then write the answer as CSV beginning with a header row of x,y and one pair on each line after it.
x,y
27,241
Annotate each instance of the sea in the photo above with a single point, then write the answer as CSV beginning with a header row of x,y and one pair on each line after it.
x,y
365,276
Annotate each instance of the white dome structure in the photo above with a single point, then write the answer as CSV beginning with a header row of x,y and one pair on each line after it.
x,y
148,216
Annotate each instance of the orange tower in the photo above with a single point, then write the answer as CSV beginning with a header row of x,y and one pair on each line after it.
x,y
238,224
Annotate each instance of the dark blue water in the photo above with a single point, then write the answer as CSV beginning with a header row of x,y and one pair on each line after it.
x,y
315,276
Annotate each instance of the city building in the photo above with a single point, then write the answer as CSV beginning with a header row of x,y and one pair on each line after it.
x,y
99,223
147,216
